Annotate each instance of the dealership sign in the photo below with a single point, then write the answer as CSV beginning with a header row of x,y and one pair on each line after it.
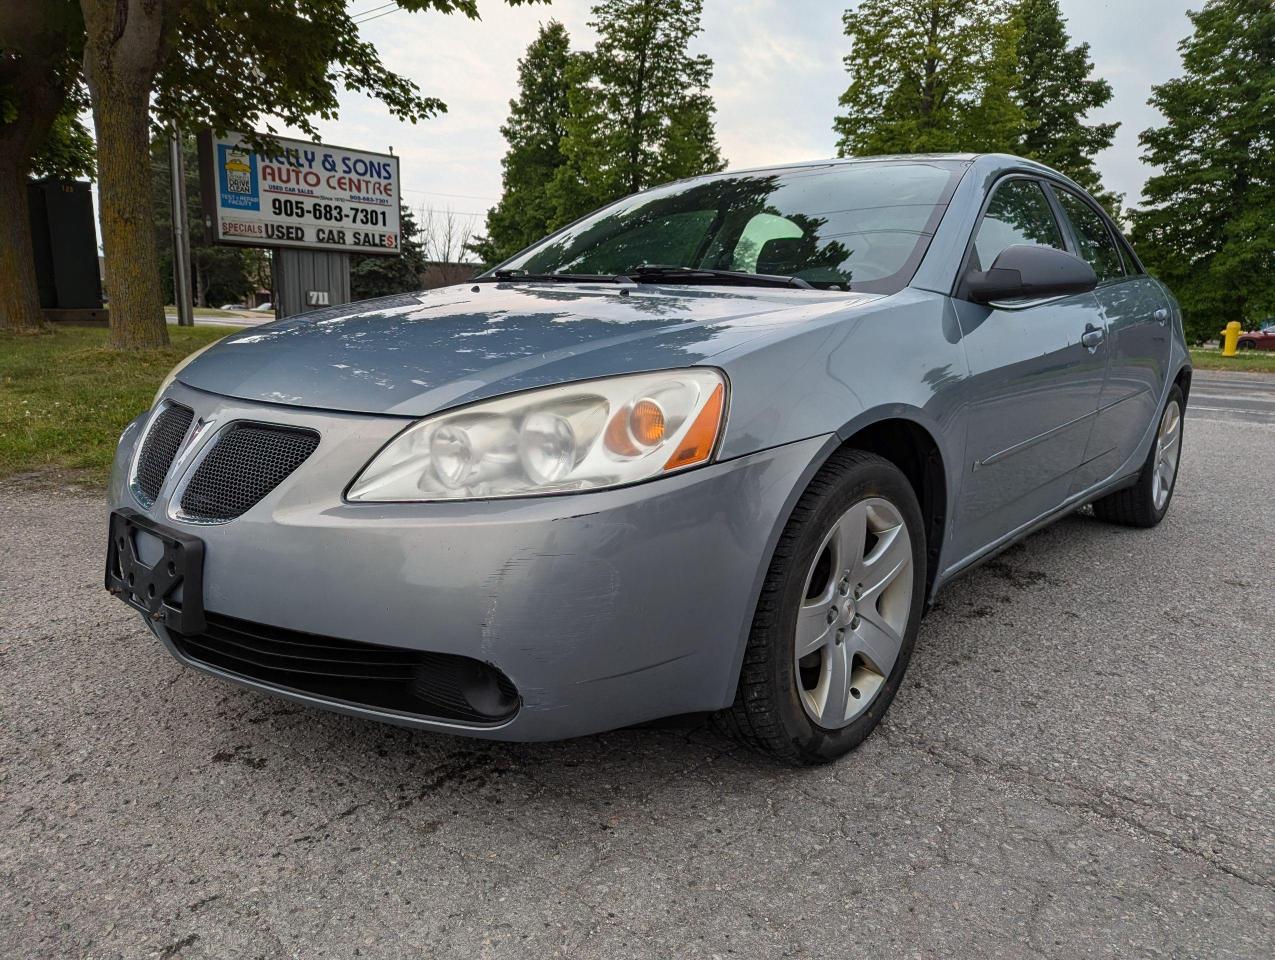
x,y
300,194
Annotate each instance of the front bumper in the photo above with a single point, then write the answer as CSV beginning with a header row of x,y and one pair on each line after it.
x,y
604,609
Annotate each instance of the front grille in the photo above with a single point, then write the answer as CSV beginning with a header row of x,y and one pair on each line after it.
x,y
247,461
159,449
436,685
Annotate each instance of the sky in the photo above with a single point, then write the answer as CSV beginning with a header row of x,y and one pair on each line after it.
x,y
778,74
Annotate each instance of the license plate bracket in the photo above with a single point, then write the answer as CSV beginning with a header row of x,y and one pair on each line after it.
x,y
170,590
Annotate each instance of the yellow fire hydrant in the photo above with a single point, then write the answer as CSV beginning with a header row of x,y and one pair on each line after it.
x,y
1230,337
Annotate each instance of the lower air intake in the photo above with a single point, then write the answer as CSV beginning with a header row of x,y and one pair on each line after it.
x,y
427,685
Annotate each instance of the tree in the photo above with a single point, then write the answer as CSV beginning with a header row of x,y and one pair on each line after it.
x,y
40,45
227,64
69,152
1056,93
445,235
639,112
930,76
380,276
1207,224
534,132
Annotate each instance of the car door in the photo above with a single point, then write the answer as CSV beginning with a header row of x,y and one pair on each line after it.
x,y
1137,316
1036,370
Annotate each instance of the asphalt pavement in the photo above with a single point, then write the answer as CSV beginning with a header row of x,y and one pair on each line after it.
x,y
231,319
1079,764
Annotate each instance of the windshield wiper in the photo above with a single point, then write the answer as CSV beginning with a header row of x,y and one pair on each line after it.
x,y
659,272
515,274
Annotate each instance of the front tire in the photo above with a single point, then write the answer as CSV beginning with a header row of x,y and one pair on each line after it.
x,y
1146,502
837,617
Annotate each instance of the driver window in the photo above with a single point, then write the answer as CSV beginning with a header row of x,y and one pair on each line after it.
x,y
761,229
1019,213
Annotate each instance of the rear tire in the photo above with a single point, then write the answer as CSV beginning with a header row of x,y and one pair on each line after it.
x,y
1246,345
847,583
1146,502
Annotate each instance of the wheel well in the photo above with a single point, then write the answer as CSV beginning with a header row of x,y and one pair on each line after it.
x,y
1183,381
910,447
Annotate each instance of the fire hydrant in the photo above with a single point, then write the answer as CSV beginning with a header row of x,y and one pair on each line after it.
x,y
1230,337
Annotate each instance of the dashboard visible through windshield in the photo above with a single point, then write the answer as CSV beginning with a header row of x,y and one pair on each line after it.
x,y
857,225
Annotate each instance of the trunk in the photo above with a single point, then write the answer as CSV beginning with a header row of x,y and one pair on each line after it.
x,y
121,119
33,44
19,295
124,47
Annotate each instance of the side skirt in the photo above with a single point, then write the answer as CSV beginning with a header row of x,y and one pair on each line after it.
x,y
1070,505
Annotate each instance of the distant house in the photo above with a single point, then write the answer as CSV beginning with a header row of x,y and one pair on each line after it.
x,y
440,274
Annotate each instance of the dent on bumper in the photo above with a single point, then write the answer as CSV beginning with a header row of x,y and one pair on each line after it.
x,y
604,609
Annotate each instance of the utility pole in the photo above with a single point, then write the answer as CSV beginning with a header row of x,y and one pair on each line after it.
x,y
181,233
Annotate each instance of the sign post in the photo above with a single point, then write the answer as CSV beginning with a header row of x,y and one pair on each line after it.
x,y
181,233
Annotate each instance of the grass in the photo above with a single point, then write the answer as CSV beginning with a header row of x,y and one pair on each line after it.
x,y
65,396
1247,361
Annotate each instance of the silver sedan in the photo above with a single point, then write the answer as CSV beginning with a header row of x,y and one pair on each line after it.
x,y
714,448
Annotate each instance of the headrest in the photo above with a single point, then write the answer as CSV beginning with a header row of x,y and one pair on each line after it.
x,y
783,256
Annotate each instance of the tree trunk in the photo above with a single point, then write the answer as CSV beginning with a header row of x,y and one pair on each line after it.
x,y
123,51
19,295
122,120
35,43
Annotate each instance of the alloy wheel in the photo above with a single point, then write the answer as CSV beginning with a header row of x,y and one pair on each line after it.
x,y
854,613
1168,444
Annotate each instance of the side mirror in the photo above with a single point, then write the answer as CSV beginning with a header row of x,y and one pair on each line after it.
x,y
1025,271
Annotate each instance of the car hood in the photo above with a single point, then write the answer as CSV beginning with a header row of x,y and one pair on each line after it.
x,y
413,354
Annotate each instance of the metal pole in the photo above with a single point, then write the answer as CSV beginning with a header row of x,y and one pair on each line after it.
x,y
181,234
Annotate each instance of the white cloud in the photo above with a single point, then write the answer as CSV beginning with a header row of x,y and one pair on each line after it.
x,y
777,79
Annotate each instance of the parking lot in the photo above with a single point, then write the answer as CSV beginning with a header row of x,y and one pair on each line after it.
x,y
1079,764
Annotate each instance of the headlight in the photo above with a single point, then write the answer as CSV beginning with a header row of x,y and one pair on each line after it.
x,y
580,436
181,365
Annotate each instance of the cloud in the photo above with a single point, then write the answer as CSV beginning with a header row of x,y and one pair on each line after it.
x,y
777,79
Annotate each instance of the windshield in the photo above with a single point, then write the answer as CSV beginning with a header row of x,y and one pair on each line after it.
x,y
861,226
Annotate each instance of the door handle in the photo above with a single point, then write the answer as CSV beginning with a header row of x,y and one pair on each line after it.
x,y
1092,337
1162,316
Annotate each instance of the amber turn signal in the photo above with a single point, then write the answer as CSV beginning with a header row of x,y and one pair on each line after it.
x,y
697,445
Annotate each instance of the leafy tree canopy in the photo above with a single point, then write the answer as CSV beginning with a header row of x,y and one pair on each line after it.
x,y
1207,226
381,276
639,108
69,152
1056,93
239,64
534,131
930,76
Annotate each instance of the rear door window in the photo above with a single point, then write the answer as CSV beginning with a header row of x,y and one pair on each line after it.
x,y
1096,243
